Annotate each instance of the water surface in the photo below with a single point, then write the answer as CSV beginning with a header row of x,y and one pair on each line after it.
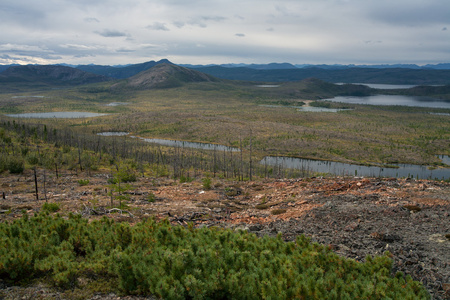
x,y
384,86
394,100
343,169
445,159
183,144
321,109
113,133
116,103
57,115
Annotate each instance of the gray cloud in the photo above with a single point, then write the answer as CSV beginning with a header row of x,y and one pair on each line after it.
x,y
179,24
200,21
90,20
410,13
111,33
158,26
300,31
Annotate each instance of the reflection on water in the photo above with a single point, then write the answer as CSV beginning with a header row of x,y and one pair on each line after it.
x,y
394,100
113,133
57,115
321,109
16,97
116,103
268,85
384,86
342,169
183,144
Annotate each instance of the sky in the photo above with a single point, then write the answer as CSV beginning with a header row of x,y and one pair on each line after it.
x,y
115,32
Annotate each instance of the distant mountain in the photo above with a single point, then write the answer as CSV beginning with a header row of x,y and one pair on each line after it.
x,y
438,66
271,66
121,72
345,75
281,66
19,78
5,67
164,75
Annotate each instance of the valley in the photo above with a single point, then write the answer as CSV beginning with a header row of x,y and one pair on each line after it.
x,y
105,166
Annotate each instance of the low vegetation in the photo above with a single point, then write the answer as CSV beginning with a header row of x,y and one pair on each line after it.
x,y
187,263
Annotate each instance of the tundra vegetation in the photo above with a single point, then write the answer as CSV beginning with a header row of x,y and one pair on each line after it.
x,y
178,262
232,114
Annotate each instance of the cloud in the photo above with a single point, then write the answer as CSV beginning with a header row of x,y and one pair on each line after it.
x,y
158,26
125,50
409,13
79,47
111,33
179,24
200,21
298,31
90,20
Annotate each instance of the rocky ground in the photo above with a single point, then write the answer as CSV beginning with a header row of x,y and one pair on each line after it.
x,y
355,216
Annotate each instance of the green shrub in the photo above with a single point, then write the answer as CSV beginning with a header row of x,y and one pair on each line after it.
x,y
151,197
83,182
15,165
50,207
170,262
206,183
32,158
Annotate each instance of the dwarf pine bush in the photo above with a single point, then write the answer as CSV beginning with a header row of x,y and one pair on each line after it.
x,y
174,262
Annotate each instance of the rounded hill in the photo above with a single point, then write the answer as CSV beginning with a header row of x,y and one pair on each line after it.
x,y
164,76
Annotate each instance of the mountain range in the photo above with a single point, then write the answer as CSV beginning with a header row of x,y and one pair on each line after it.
x,y
164,74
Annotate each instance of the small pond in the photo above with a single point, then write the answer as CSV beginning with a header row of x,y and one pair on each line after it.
x,y
116,103
183,144
341,169
57,115
113,133
268,85
321,109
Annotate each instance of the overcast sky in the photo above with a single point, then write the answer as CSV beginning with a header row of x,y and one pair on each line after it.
x,y
114,32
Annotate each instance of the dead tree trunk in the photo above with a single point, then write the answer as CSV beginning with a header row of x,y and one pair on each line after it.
x,y
35,184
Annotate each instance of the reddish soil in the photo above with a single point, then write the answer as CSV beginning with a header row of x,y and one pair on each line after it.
x,y
355,216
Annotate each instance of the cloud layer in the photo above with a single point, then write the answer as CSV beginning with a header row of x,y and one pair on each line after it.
x,y
217,31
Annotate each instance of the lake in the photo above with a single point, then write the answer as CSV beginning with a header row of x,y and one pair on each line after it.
x,y
383,86
57,115
341,169
183,144
394,100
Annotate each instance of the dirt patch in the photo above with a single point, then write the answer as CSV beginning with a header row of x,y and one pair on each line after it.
x,y
354,216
